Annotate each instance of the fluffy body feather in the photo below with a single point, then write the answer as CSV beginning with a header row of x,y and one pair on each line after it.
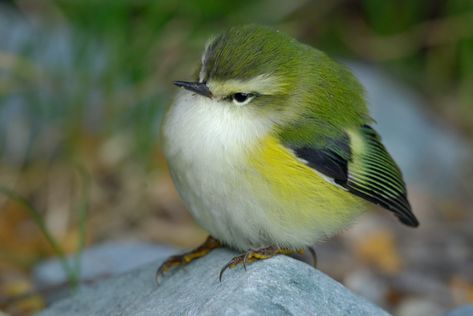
x,y
273,148
242,185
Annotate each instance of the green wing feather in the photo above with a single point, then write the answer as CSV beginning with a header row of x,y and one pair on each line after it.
x,y
374,176
360,163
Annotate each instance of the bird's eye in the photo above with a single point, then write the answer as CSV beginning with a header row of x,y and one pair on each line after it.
x,y
241,98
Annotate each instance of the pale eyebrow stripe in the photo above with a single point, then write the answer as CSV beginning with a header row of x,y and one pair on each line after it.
x,y
264,84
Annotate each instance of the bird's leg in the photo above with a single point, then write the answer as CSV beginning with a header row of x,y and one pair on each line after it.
x,y
209,244
253,255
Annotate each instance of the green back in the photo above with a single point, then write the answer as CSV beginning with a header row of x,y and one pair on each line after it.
x,y
320,114
322,96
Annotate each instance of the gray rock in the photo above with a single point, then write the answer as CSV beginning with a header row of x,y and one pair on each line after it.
x,y
278,286
465,310
419,307
366,283
103,260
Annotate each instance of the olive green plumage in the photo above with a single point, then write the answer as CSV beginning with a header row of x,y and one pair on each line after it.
x,y
374,176
325,94
322,110
271,148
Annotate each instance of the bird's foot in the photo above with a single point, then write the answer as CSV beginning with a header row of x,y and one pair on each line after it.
x,y
253,255
174,261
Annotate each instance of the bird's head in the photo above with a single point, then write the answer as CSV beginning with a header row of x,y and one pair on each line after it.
x,y
248,68
266,74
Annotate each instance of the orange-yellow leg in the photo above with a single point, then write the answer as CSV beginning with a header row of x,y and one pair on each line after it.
x,y
209,244
258,254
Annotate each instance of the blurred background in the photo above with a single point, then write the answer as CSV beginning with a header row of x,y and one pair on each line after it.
x,y
83,88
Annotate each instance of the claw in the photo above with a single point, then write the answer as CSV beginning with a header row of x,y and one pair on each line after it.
x,y
253,255
186,258
225,267
245,260
159,276
314,256
168,265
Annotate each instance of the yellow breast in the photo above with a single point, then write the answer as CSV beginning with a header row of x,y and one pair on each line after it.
x,y
297,195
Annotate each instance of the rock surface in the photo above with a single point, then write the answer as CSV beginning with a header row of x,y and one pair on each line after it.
x,y
102,260
466,310
278,286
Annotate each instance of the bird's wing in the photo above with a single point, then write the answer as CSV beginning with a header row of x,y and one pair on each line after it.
x,y
360,164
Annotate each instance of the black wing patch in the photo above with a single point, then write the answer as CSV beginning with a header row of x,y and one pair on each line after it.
x,y
327,162
368,171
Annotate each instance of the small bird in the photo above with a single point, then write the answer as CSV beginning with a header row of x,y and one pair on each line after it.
x,y
271,148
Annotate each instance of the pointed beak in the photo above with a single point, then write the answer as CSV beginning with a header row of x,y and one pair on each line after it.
x,y
197,87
